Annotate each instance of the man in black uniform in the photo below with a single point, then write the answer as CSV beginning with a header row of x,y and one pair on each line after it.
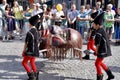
x,y
31,50
102,48
91,37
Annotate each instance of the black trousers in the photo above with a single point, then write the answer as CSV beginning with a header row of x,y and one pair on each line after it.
x,y
73,26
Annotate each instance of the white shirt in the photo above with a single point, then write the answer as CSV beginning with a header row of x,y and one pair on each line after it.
x,y
88,11
53,11
0,14
3,7
113,12
36,12
59,14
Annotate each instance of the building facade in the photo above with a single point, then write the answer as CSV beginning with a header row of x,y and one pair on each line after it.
x,y
118,3
78,3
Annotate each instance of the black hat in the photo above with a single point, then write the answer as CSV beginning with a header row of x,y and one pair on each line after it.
x,y
95,14
99,19
34,19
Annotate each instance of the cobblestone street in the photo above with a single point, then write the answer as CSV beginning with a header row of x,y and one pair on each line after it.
x,y
68,69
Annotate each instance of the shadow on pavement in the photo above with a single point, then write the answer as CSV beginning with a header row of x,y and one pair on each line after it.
x,y
115,68
46,76
12,69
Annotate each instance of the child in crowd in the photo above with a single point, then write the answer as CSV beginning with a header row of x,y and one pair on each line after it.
x,y
109,18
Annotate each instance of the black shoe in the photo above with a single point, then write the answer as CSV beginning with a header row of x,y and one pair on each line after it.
x,y
99,77
37,75
88,52
87,57
31,76
110,75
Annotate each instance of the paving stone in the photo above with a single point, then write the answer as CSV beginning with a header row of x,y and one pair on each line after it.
x,y
68,69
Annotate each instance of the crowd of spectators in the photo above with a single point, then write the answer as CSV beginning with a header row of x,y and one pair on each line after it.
x,y
16,19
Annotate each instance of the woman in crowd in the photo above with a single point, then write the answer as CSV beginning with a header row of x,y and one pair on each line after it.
x,y
18,11
27,15
48,16
10,19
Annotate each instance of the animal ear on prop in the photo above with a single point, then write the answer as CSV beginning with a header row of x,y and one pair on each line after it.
x,y
59,7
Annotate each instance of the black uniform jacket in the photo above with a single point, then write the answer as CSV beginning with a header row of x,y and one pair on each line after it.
x,y
102,41
92,36
32,43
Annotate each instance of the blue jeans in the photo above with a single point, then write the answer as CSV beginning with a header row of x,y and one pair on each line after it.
x,y
20,23
81,29
117,32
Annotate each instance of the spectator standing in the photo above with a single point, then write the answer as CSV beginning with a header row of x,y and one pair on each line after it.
x,y
109,18
117,26
19,16
65,11
3,5
98,6
72,16
48,16
53,11
37,9
4,26
27,15
88,12
44,7
88,9
109,7
32,7
10,19
81,23
59,15
1,22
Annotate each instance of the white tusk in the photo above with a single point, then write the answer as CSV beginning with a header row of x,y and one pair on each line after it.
x,y
43,50
78,49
